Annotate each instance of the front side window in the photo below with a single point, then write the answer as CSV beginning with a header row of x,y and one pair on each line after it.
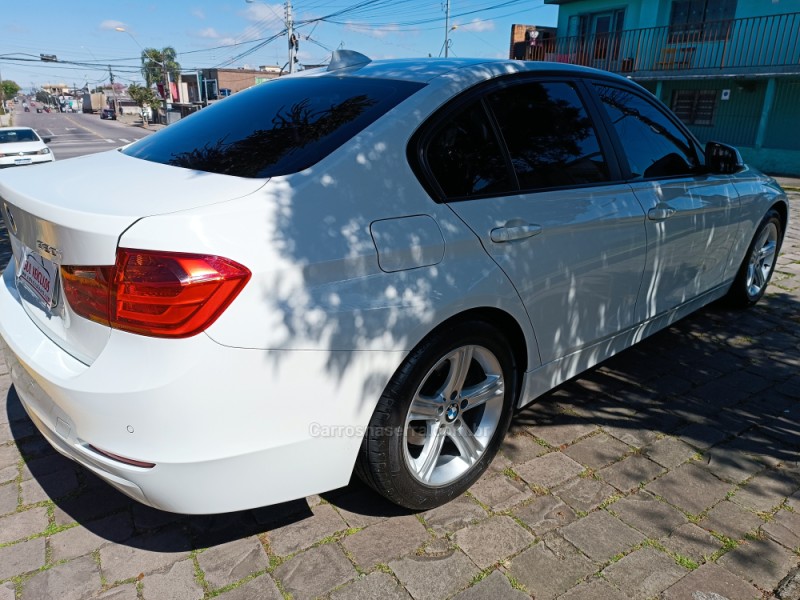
x,y
464,157
653,144
549,135
275,128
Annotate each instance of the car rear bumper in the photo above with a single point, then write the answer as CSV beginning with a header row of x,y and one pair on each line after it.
x,y
226,428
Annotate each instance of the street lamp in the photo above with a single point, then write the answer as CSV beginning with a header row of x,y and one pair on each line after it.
x,y
447,41
167,91
289,22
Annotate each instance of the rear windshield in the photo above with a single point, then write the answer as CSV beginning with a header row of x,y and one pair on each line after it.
x,y
275,128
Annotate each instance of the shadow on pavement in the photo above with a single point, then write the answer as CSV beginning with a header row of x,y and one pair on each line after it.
x,y
723,381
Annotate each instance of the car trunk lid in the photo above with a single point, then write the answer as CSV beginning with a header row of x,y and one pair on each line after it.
x,y
76,215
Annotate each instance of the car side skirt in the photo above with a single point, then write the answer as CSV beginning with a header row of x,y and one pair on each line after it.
x,y
542,379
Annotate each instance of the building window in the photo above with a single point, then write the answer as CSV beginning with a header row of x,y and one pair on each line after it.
x,y
695,107
596,36
700,20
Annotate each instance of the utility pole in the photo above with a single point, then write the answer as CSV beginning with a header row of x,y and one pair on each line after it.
x,y
289,22
446,28
2,94
113,90
290,33
167,90
164,69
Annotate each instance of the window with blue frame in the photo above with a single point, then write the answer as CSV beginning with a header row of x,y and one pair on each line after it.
x,y
700,20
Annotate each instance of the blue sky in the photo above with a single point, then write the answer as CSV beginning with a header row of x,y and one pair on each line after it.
x,y
203,31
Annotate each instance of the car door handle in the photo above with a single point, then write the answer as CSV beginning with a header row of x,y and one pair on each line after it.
x,y
516,232
660,213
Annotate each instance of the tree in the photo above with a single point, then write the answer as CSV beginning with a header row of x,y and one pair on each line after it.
x,y
155,61
8,89
143,96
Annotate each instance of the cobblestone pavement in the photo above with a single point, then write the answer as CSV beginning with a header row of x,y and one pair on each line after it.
x,y
669,471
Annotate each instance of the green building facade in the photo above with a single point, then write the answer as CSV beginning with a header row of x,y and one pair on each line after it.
x,y
730,69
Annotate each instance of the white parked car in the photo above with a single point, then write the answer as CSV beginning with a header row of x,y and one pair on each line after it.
x,y
365,267
23,146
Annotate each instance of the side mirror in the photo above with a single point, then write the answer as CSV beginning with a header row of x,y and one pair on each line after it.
x,y
723,159
46,140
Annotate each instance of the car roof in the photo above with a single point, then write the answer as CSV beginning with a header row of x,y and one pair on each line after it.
x,y
423,70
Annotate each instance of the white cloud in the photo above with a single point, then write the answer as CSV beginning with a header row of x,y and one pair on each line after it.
x,y
254,32
209,33
263,20
477,26
264,12
198,12
366,29
16,28
112,25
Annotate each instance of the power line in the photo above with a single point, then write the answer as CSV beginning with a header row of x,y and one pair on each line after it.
x,y
391,16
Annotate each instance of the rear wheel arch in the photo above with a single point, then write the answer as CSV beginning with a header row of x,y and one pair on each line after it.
x,y
504,323
408,469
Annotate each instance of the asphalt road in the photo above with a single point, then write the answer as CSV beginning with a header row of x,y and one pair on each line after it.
x,y
77,134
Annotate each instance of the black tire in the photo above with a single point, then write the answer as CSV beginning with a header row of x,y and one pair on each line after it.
x,y
757,267
394,446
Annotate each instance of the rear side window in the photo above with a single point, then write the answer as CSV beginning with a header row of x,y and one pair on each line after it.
x,y
275,128
653,144
465,158
549,135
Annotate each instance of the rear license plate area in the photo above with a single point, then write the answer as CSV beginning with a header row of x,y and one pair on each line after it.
x,y
39,276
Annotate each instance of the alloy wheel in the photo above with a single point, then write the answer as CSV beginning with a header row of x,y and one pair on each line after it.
x,y
453,415
762,260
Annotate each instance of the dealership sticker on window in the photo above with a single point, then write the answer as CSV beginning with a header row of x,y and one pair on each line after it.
x,y
38,275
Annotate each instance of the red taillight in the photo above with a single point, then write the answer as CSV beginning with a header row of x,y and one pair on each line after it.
x,y
163,294
86,289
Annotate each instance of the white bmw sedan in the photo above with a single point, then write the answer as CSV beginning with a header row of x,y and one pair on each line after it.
x,y
366,267
23,146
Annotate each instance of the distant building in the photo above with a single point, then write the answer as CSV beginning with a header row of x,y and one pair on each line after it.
x,y
528,41
56,89
234,80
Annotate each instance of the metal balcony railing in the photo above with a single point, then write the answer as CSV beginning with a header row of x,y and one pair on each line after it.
x,y
756,45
